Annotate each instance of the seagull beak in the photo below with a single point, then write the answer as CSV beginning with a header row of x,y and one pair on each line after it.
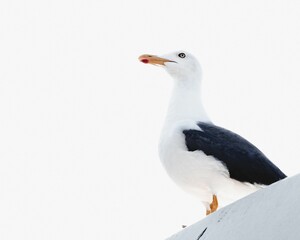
x,y
155,60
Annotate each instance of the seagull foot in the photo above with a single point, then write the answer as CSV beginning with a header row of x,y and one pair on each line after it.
x,y
213,206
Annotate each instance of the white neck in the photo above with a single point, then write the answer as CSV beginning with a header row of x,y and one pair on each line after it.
x,y
185,102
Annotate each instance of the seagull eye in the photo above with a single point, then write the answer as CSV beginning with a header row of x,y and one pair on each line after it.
x,y
181,55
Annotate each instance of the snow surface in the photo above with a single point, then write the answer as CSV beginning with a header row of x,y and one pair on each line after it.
x,y
271,213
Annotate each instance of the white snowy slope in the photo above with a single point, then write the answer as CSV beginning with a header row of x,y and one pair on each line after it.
x,y
271,213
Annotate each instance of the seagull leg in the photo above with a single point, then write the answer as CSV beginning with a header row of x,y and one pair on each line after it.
x,y
213,206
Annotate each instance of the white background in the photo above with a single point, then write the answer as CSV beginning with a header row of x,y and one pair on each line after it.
x,y
80,117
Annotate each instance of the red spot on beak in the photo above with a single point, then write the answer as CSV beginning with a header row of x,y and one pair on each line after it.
x,y
144,60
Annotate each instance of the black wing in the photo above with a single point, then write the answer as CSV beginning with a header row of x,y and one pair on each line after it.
x,y
244,161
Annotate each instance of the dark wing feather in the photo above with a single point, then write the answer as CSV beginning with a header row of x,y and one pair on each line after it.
x,y
244,161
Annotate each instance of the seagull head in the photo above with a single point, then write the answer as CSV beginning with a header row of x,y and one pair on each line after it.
x,y
181,65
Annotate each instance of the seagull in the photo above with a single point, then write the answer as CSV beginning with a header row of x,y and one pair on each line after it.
x,y
210,162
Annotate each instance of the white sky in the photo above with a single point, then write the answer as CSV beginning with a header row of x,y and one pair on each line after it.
x,y
80,117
